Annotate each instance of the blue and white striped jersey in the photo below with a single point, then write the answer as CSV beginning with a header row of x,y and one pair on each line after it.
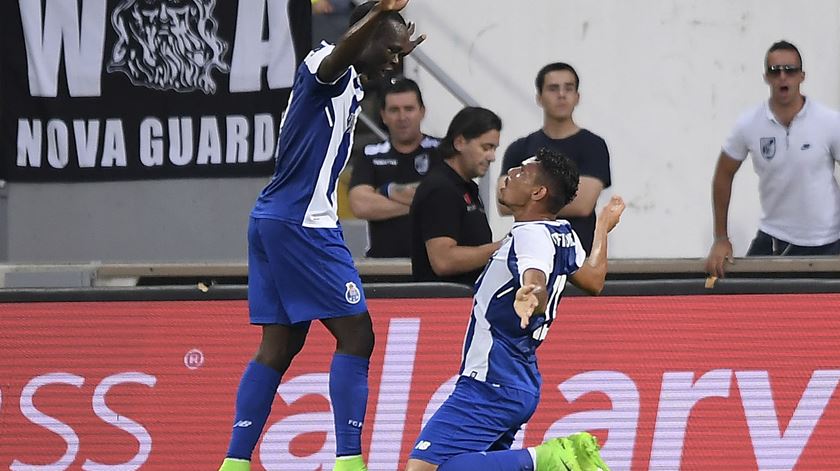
x,y
316,135
496,349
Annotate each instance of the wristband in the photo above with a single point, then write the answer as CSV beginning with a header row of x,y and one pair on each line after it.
x,y
385,190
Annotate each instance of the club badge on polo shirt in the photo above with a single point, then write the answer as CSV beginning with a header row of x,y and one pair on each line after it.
x,y
421,163
768,147
471,206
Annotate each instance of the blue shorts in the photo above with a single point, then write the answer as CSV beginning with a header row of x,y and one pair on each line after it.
x,y
298,274
476,417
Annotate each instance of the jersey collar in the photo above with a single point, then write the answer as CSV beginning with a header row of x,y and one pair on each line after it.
x,y
801,114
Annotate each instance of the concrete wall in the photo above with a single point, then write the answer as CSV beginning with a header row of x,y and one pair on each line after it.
x,y
662,81
168,220
4,245
156,221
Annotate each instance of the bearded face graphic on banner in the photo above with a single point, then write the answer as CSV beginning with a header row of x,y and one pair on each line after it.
x,y
168,44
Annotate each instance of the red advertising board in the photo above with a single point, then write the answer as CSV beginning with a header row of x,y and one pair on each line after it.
x,y
667,383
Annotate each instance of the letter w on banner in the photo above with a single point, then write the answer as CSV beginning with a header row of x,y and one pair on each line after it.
x,y
131,89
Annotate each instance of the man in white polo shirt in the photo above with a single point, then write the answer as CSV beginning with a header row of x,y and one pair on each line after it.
x,y
795,144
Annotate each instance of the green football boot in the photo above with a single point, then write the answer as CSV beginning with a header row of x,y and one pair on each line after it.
x,y
557,454
350,463
233,464
587,452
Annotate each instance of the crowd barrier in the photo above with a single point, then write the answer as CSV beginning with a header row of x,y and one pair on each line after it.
x,y
676,382
379,270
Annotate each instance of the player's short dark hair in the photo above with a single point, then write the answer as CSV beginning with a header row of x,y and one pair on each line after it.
x,y
400,85
363,9
781,45
470,123
560,175
555,67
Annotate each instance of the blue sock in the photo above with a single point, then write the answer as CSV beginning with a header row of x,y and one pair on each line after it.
x,y
253,404
348,393
505,460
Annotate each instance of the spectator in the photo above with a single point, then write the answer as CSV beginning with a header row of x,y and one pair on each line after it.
x,y
451,238
558,94
329,20
795,144
387,174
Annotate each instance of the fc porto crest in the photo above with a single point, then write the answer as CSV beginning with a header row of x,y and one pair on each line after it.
x,y
768,147
352,293
421,163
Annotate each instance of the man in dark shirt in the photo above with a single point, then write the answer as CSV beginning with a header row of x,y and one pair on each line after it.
x,y
557,93
386,175
451,238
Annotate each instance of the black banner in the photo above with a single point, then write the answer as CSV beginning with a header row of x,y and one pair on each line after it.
x,y
145,89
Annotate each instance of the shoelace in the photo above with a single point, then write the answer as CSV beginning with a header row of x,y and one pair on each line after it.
x,y
569,446
591,445
592,448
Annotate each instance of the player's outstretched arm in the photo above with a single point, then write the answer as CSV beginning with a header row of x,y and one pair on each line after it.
x,y
592,274
413,43
532,297
350,45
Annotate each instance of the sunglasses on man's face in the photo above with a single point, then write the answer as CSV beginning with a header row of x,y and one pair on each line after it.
x,y
776,70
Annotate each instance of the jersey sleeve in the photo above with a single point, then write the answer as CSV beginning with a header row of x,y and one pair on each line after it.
x,y
597,162
532,248
363,172
572,258
834,136
438,216
514,155
310,68
736,145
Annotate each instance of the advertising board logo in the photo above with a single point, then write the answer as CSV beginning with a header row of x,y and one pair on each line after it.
x,y
194,359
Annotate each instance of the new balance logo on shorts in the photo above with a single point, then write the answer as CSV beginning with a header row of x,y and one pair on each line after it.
x,y
423,445
243,424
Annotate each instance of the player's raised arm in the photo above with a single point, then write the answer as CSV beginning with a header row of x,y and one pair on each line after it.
x,y
361,34
592,274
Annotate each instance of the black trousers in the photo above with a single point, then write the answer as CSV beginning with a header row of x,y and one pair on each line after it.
x,y
765,244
